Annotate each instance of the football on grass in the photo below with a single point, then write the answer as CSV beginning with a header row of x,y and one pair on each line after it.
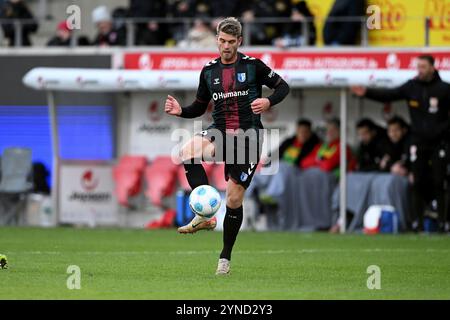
x,y
205,201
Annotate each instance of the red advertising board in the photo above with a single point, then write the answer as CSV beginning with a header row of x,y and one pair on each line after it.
x,y
289,60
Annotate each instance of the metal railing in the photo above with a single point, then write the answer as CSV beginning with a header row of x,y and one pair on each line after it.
x,y
248,27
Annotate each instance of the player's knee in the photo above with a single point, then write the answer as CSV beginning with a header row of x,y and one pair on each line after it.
x,y
189,152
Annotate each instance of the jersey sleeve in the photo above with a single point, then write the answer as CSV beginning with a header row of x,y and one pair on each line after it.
x,y
203,93
266,75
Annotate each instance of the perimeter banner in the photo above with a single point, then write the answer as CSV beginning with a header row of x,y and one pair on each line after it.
x,y
288,60
402,22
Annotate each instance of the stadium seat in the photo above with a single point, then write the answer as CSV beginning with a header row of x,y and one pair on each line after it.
x,y
134,162
128,177
161,177
15,183
165,221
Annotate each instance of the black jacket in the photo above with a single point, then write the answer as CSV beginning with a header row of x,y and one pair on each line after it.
x,y
343,32
113,38
295,29
307,148
19,10
370,155
396,152
428,104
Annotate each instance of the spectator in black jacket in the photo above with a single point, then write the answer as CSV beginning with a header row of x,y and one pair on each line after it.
x,y
372,139
294,149
396,151
14,10
292,33
264,33
230,8
151,32
428,99
343,32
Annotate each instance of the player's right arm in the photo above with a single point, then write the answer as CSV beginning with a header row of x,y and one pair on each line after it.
x,y
196,108
381,95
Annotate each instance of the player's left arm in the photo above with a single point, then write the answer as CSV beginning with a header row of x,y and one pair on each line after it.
x,y
271,79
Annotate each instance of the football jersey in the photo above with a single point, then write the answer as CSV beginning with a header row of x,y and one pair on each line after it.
x,y
233,87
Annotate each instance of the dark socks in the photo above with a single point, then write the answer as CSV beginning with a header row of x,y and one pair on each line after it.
x,y
195,173
231,225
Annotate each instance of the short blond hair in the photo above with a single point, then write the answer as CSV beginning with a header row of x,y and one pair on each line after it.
x,y
230,26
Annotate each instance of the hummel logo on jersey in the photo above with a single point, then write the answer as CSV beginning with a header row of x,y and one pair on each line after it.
x,y
216,81
211,63
248,58
223,95
250,170
271,74
244,176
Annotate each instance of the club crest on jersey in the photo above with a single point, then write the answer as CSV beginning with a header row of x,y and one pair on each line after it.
x,y
241,76
244,176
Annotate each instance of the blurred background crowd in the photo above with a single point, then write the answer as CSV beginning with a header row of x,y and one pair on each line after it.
x,y
191,23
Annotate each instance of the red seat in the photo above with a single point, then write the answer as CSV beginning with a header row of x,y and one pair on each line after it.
x,y
218,176
128,183
161,179
182,180
128,177
135,162
165,221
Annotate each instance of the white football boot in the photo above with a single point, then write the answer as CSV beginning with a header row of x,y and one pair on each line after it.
x,y
198,223
223,267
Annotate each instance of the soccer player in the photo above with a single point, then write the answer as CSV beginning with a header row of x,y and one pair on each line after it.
x,y
234,82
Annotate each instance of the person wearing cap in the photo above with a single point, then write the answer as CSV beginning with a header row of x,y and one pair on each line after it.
x,y
107,35
62,37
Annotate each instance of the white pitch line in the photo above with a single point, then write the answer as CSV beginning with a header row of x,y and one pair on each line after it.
x,y
194,252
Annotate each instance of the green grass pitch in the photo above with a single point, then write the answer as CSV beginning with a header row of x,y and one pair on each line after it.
x,y
139,264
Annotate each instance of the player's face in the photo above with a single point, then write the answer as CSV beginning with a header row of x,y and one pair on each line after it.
x,y
228,46
395,132
425,69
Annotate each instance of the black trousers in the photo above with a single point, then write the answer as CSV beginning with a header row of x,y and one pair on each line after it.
x,y
429,169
